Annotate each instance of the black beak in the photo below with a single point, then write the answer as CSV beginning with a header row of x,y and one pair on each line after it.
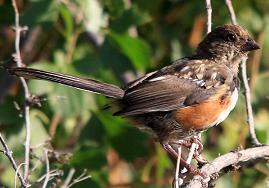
x,y
249,46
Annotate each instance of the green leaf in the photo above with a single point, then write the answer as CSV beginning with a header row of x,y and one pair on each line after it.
x,y
8,112
136,49
68,21
38,119
115,7
128,141
89,156
130,17
40,11
70,102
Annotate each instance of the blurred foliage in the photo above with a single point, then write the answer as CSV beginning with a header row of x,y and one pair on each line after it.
x,y
115,41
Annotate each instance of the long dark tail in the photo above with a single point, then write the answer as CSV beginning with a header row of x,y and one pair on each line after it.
x,y
80,83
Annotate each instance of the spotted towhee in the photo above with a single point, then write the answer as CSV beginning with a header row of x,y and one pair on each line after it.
x,y
180,100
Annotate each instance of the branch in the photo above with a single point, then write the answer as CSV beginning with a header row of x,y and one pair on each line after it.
x,y
8,153
209,15
250,118
47,177
232,158
80,178
68,178
18,29
231,11
69,182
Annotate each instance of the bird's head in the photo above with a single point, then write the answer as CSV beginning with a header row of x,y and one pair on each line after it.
x,y
228,43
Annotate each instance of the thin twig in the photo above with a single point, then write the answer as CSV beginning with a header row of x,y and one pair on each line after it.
x,y
69,178
209,15
250,118
18,30
231,11
16,174
231,158
81,178
47,169
178,181
53,173
8,153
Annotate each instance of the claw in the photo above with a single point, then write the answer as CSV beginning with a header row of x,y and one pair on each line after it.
x,y
184,164
187,143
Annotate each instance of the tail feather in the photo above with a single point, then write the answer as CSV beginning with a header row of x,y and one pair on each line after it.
x,y
79,83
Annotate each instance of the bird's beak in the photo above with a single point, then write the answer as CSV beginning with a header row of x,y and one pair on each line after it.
x,y
250,45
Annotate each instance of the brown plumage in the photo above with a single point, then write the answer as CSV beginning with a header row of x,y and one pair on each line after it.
x,y
180,100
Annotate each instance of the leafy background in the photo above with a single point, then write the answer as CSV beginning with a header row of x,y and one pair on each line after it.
x,y
115,41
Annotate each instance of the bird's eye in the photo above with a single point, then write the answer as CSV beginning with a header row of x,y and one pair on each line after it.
x,y
230,37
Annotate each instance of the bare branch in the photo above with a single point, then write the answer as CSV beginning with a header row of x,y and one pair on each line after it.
x,y
8,153
53,173
18,29
178,181
68,181
250,118
231,158
47,177
231,11
81,178
209,15
16,174
69,178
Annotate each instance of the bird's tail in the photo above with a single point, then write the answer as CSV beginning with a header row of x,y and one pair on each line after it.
x,y
79,83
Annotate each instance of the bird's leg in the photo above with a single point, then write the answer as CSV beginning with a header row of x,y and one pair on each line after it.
x,y
197,154
183,163
177,179
188,143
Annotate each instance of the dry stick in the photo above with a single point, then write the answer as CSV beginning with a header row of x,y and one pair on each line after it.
x,y
53,173
178,181
231,158
69,178
81,178
8,153
250,118
209,15
47,169
18,60
231,11
16,174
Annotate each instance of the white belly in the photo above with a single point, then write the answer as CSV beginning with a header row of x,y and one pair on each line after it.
x,y
225,113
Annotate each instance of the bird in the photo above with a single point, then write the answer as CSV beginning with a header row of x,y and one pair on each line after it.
x,y
181,100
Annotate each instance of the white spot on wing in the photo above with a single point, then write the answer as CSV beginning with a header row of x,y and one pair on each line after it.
x,y
185,68
157,79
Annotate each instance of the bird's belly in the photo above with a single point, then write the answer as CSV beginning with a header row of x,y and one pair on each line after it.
x,y
206,114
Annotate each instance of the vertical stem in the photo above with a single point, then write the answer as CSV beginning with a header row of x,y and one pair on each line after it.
x,y
47,169
250,118
19,62
209,15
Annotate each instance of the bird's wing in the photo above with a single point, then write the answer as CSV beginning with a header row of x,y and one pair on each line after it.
x,y
169,90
